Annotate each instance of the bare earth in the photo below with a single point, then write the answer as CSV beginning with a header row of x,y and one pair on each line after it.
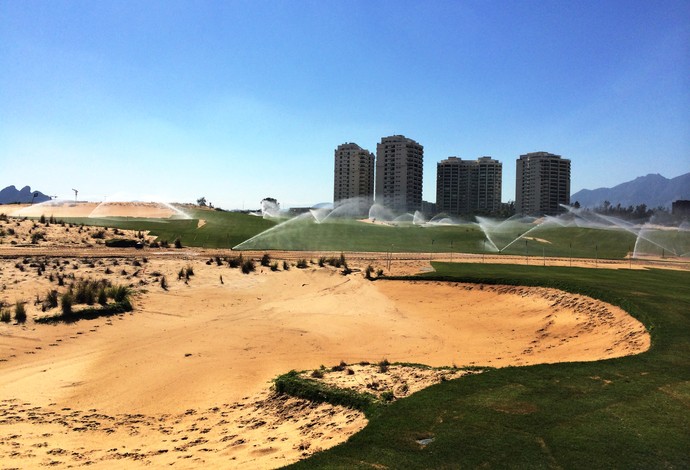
x,y
185,379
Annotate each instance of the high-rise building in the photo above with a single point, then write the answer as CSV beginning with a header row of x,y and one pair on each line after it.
x,y
468,186
399,172
542,184
353,177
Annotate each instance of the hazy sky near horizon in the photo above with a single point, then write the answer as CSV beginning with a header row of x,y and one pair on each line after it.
x,y
241,100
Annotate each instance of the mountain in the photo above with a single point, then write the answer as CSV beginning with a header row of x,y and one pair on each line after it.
x,y
652,190
11,195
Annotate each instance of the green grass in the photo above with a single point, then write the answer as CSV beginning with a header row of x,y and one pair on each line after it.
x,y
631,412
222,229
229,229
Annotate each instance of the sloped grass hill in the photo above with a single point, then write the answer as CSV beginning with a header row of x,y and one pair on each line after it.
x,y
631,412
230,229
220,230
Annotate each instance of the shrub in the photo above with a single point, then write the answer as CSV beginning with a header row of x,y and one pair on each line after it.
x,y
367,273
383,366
379,273
266,260
66,302
98,234
317,374
102,296
248,266
322,261
165,244
274,266
180,274
37,236
178,243
5,315
164,283
189,271
302,263
119,293
20,312
286,266
42,219
51,299
235,262
387,396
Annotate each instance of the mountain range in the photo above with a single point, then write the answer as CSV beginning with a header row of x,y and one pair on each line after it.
x,y
653,190
12,195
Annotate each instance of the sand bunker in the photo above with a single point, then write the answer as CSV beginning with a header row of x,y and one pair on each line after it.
x,y
185,379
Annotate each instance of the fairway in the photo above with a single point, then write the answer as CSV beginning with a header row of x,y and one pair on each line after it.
x,y
632,412
231,230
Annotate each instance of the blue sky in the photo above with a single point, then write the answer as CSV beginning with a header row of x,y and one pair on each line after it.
x,y
240,100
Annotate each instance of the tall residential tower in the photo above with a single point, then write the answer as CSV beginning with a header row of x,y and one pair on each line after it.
x,y
542,184
468,186
353,177
399,171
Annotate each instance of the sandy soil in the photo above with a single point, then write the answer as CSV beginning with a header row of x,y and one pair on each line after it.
x,y
185,378
61,208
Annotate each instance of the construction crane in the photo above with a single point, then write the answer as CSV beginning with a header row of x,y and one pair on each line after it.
x,y
75,194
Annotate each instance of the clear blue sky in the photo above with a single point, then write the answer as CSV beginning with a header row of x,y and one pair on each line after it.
x,y
239,100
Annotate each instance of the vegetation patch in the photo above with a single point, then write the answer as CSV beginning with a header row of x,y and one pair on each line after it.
x,y
295,385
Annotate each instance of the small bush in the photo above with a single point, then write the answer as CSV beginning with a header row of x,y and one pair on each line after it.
x,y
248,266
5,315
188,272
178,243
286,266
266,260
383,366
51,299
317,374
367,273
37,236
236,262
387,396
98,234
302,263
164,283
102,296
274,266
66,302
322,261
20,312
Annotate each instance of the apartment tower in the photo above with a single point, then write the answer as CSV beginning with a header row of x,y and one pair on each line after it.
x,y
354,177
468,186
399,171
542,184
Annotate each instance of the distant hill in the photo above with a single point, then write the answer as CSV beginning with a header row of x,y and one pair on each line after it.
x,y
12,195
652,190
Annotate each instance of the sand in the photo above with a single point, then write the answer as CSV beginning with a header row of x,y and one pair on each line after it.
x,y
185,379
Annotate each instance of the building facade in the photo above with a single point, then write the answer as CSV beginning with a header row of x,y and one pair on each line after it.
x,y
542,184
468,186
399,172
353,179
